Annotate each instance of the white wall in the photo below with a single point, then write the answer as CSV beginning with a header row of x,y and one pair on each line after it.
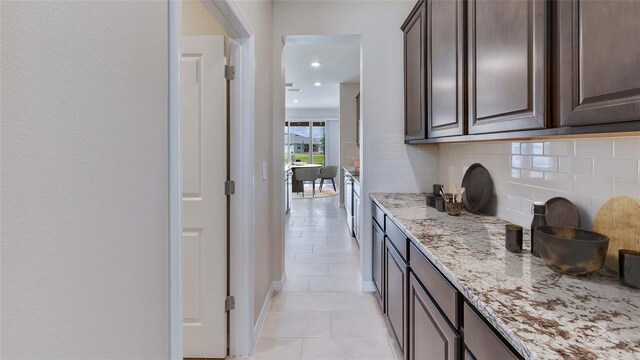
x,y
585,171
269,254
332,145
378,23
348,137
198,20
84,181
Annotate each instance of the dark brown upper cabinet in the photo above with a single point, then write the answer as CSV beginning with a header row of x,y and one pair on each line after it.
x,y
445,68
507,65
598,61
415,29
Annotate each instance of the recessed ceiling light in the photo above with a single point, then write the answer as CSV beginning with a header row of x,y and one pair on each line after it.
x,y
296,101
317,83
315,64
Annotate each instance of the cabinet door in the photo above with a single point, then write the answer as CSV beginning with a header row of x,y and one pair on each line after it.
x,y
356,217
507,65
599,62
431,337
378,262
414,75
396,290
445,68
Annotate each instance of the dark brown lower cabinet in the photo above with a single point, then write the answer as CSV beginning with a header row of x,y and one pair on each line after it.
x,y
431,337
378,262
481,341
396,290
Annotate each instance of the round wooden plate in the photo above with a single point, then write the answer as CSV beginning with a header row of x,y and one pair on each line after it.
x,y
619,219
562,212
478,188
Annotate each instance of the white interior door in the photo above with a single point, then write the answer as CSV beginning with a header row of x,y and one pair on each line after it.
x,y
204,163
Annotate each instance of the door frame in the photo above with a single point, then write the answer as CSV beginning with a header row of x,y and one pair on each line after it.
x,y
242,49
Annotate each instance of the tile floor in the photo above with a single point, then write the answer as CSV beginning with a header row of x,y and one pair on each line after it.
x,y
322,312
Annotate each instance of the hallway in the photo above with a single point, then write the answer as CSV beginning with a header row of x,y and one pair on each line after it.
x,y
322,312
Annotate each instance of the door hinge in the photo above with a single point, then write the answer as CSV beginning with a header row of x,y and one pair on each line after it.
x,y
229,72
229,303
229,187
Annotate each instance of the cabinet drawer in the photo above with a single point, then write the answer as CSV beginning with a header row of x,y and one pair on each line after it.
x,y
377,214
481,340
397,238
445,295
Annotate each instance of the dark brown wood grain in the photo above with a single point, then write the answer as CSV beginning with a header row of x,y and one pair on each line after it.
x,y
507,65
414,73
598,61
445,68
396,290
430,335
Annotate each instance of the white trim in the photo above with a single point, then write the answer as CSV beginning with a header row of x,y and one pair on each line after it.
x,y
233,21
368,286
175,186
242,160
276,286
230,17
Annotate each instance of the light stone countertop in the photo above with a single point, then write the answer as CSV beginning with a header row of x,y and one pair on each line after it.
x,y
542,314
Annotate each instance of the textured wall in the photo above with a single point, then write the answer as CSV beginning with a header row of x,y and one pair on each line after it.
x,y
585,171
84,180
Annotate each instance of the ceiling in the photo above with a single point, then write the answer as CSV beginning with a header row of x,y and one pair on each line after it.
x,y
339,62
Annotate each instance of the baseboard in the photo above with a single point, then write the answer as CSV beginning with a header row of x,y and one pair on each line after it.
x,y
369,286
276,286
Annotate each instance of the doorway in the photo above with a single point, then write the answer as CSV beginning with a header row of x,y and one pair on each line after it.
x,y
189,164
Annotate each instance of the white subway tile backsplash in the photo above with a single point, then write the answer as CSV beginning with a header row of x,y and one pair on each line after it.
x,y
601,147
559,148
535,178
576,165
521,162
545,163
593,186
562,182
626,148
536,148
586,171
631,188
617,169
543,194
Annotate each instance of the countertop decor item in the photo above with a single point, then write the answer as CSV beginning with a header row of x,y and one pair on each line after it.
x,y
513,238
453,209
437,188
629,267
539,210
431,200
571,251
440,204
562,212
619,219
479,187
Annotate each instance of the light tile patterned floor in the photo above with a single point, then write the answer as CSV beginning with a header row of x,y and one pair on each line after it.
x,y
322,312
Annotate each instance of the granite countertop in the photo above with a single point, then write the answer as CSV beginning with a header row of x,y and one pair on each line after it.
x,y
542,314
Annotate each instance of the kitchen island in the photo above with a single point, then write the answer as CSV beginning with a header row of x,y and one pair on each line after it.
x,y
539,313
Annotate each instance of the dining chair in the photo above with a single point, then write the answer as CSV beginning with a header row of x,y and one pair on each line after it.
x,y
308,174
328,173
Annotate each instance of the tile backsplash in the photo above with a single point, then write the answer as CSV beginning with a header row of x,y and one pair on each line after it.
x,y
587,171
396,167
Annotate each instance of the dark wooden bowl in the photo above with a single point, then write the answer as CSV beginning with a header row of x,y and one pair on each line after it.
x,y
571,251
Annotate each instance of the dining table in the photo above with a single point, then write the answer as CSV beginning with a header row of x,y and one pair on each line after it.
x,y
298,186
